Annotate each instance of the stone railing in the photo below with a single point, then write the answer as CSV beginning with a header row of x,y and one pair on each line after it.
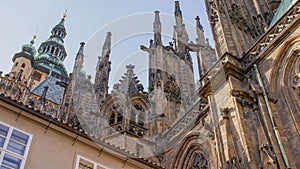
x,y
184,122
136,129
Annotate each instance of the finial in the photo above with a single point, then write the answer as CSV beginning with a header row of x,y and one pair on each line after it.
x,y
156,19
198,24
177,6
33,38
65,14
107,42
178,13
130,67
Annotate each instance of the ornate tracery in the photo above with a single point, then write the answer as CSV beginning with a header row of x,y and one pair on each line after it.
x,y
199,161
296,77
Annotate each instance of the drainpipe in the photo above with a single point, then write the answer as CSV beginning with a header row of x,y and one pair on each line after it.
x,y
269,110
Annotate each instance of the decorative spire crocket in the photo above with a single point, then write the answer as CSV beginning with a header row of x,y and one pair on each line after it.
x,y
102,71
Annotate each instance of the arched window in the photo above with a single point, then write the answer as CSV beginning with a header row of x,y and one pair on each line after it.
x,y
119,117
138,107
115,117
133,116
23,65
56,51
17,64
296,78
199,162
52,50
141,119
112,119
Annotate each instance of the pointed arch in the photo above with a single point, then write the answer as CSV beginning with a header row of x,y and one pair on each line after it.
x,y
112,118
284,80
284,87
192,154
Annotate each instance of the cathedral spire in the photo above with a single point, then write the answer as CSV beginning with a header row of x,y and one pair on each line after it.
x,y
198,24
79,60
180,35
102,71
178,14
52,52
199,32
107,43
157,29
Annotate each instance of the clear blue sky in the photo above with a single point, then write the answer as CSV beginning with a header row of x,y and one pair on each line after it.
x,y
129,21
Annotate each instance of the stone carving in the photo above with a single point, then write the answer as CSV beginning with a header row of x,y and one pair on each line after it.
x,y
172,90
271,35
234,163
214,17
238,19
268,156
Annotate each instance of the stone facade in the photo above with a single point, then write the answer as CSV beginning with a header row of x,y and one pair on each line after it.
x,y
245,114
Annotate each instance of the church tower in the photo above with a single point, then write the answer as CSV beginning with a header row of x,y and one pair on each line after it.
x,y
206,55
181,37
236,25
36,65
171,78
52,53
22,61
102,71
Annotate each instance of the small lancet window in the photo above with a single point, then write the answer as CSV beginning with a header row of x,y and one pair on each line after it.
x,y
52,50
133,116
112,119
141,119
56,52
115,117
119,118
23,65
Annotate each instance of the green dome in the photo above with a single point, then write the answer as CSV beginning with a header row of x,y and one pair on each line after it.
x,y
29,49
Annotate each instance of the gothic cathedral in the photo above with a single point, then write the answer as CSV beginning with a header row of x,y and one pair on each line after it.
x,y
244,114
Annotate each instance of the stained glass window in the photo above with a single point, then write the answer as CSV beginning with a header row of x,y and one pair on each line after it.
x,y
199,162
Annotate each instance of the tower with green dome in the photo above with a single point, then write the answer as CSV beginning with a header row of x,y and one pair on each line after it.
x,y
36,65
23,60
52,53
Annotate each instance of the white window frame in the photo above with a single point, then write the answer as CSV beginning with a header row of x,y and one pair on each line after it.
x,y
7,138
84,158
